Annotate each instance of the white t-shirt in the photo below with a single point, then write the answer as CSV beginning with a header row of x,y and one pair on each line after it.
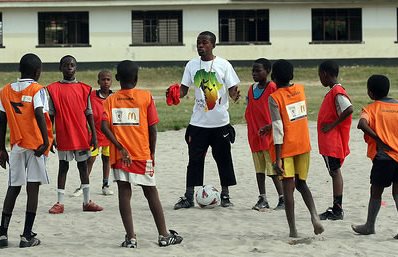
x,y
211,80
39,99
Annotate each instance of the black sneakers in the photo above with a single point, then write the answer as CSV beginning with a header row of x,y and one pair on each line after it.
x,y
261,205
29,241
3,241
183,202
331,214
129,242
225,202
172,239
281,204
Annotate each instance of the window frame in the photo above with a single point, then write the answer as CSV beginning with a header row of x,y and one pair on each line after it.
x,y
349,18
156,15
1,31
67,19
244,16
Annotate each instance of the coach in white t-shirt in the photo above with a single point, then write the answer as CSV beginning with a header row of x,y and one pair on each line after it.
x,y
214,81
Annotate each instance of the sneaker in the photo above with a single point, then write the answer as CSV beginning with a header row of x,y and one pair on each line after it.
x,y
29,241
129,243
329,214
78,192
183,202
106,191
3,241
280,205
91,206
261,205
225,202
57,208
172,239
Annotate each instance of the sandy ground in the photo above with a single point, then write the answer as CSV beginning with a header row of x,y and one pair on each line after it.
x,y
236,231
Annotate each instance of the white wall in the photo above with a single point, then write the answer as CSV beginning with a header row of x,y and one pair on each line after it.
x,y
290,35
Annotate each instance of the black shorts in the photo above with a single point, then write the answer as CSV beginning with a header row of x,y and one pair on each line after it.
x,y
384,172
332,163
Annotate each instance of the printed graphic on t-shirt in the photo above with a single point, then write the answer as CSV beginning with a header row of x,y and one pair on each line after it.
x,y
125,117
207,81
296,110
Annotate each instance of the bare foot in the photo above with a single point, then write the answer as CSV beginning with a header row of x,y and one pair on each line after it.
x,y
293,234
318,228
363,229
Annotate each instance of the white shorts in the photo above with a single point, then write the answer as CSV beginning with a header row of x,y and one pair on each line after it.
x,y
78,155
26,167
133,178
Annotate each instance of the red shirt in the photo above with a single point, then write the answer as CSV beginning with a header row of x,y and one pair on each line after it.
x,y
257,115
97,104
334,143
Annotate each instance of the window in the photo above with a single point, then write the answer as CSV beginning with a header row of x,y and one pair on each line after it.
x,y
157,27
1,29
337,25
63,29
243,26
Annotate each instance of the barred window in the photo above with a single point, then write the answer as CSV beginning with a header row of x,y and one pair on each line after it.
x,y
156,27
1,29
243,26
63,29
337,25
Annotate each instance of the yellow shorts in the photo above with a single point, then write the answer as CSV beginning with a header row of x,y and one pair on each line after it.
x,y
104,151
296,165
262,163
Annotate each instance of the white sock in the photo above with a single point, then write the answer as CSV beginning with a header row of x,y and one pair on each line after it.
x,y
60,195
86,193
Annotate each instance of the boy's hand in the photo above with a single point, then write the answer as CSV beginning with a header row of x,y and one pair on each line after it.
x,y
234,93
125,157
94,143
383,146
53,146
326,127
265,130
40,150
278,167
3,158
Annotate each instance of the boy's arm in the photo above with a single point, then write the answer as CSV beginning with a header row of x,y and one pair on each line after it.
x,y
326,127
41,122
364,126
183,90
51,112
152,140
234,93
91,124
108,133
3,129
277,133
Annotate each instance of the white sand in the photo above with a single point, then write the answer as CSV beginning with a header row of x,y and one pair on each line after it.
x,y
236,231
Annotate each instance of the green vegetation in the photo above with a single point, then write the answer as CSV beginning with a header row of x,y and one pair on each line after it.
x,y
176,117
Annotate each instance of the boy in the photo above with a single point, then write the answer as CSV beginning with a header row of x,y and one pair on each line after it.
x,y
70,109
379,123
97,99
334,124
23,104
129,122
292,142
258,121
213,79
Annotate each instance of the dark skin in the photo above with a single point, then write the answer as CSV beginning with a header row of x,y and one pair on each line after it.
x,y
124,188
291,183
105,82
260,75
376,191
32,188
68,68
204,47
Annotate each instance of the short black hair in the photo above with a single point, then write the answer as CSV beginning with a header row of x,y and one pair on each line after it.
x,y
282,71
265,62
29,64
64,58
379,86
330,67
127,71
211,36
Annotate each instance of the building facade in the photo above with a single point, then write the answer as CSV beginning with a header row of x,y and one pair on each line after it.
x,y
163,32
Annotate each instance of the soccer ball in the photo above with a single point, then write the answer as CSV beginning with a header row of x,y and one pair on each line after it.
x,y
207,196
